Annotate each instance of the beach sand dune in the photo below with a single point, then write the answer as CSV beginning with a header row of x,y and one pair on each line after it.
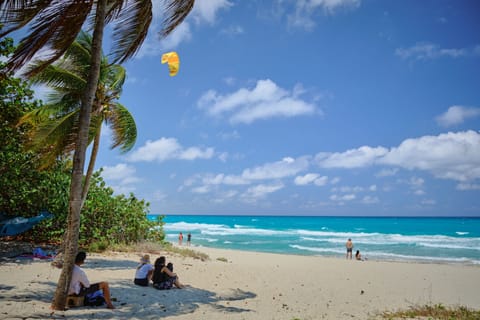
x,y
245,285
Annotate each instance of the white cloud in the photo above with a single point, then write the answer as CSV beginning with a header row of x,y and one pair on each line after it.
x,y
306,179
468,186
427,50
346,197
449,156
207,10
353,158
120,172
387,172
121,177
261,190
266,100
285,168
370,200
305,10
309,178
233,30
456,115
168,149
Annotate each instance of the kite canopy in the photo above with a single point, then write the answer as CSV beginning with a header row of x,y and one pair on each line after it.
x,y
173,62
17,225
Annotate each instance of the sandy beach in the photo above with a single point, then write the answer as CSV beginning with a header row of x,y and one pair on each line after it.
x,y
244,285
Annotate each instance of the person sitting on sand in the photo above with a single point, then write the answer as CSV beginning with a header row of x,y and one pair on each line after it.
x,y
163,278
80,286
144,272
358,256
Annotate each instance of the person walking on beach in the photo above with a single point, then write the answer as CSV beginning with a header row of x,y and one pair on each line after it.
x,y
349,246
180,239
80,286
189,239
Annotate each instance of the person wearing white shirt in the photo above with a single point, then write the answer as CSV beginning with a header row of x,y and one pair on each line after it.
x,y
80,286
144,272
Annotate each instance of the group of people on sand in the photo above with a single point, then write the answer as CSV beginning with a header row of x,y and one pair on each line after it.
x,y
161,274
349,246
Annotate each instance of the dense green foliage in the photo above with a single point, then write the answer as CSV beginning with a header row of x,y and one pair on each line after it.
x,y
24,190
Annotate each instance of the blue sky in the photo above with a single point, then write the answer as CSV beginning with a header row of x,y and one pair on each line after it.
x,y
313,107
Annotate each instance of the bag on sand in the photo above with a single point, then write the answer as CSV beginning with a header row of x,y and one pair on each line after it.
x,y
95,299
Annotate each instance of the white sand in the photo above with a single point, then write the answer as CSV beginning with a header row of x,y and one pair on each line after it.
x,y
249,286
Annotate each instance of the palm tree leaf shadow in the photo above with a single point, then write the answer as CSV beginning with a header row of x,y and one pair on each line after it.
x,y
138,300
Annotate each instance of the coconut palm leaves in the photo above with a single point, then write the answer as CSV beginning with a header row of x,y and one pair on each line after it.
x,y
54,25
54,127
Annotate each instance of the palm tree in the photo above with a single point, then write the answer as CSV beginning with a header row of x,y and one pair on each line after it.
x,y
54,26
54,125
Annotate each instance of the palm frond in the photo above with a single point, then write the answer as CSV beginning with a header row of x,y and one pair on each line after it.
x,y
54,28
175,12
131,28
123,126
17,14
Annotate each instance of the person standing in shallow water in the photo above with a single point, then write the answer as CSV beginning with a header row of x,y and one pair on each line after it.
x,y
189,238
180,239
349,246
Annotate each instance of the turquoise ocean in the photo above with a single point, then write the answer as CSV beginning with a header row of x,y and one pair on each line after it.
x,y
440,240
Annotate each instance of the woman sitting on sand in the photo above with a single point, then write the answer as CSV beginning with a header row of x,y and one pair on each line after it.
x,y
163,278
358,256
144,272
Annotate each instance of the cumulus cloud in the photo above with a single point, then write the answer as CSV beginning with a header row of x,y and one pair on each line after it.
x,y
456,115
167,149
353,158
427,50
207,11
311,178
122,177
342,198
266,100
370,200
261,190
450,155
468,186
302,17
285,168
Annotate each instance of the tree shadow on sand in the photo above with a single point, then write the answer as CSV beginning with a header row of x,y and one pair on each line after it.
x,y
131,301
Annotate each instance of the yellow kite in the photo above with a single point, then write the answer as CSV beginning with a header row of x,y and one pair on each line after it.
x,y
173,62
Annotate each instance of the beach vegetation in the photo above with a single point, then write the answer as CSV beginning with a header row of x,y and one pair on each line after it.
x,y
54,26
185,252
436,311
222,259
53,126
107,219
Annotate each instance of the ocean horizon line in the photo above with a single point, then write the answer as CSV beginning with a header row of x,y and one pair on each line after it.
x,y
306,216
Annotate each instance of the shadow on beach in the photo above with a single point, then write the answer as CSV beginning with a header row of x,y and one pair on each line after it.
x,y
131,301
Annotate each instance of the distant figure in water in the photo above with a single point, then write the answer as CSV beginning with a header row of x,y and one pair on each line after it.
x,y
189,238
349,246
358,256
180,239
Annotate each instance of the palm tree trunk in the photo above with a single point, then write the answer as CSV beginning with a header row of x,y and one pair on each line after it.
x,y
91,164
75,206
